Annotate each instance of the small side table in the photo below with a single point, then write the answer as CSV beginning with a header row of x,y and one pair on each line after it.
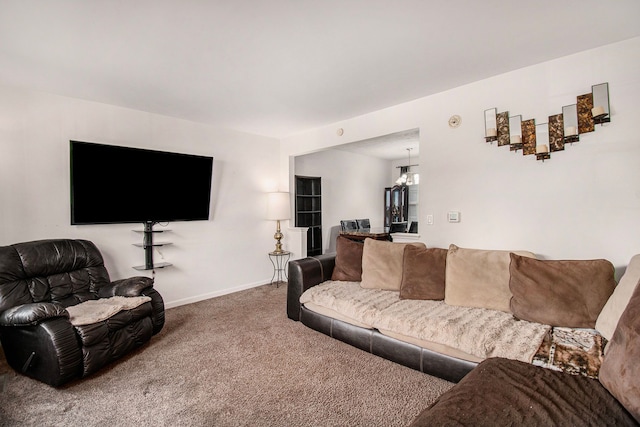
x,y
279,261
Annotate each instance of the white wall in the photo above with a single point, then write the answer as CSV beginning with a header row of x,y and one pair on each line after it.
x,y
582,203
352,187
209,258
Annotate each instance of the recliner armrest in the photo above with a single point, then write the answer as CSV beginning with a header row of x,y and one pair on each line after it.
x,y
31,314
303,274
130,287
135,287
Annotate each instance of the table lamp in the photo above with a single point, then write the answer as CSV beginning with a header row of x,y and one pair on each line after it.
x,y
278,208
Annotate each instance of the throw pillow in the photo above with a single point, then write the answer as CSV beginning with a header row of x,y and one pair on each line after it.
x,y
560,293
620,369
348,260
612,310
382,264
423,273
576,351
478,278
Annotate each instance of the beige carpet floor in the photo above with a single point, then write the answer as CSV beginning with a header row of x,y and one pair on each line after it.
x,y
236,360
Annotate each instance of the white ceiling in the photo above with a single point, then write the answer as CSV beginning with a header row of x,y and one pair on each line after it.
x,y
389,147
279,67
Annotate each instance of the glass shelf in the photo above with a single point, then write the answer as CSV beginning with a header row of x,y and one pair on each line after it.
x,y
148,244
142,245
157,265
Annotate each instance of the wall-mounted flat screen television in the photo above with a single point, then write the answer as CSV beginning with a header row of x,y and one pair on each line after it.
x,y
113,184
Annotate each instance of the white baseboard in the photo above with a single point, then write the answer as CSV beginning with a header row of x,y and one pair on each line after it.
x,y
203,297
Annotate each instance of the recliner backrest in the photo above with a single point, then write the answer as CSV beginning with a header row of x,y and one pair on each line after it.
x,y
62,270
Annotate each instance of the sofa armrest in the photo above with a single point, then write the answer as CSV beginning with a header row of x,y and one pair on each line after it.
x,y
303,274
135,287
32,314
49,351
157,308
130,287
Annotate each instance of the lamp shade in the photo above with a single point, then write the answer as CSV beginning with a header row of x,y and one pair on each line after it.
x,y
278,206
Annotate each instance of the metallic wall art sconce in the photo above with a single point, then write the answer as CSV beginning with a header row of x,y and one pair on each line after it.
x,y
600,110
515,133
502,120
585,119
556,133
570,119
529,137
546,138
490,125
542,136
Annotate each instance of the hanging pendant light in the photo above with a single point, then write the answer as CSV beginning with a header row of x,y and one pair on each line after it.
x,y
402,179
406,176
410,178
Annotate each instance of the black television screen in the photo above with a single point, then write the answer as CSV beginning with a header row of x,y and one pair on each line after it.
x,y
112,184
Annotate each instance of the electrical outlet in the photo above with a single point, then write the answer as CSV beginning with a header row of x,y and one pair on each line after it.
x,y
429,219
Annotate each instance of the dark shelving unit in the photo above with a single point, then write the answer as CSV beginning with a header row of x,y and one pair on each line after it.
x,y
308,211
396,205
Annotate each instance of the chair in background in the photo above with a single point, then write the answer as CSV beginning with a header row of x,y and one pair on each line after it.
x,y
363,223
348,225
398,227
413,228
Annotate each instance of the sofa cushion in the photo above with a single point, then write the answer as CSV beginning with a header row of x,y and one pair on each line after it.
x,y
575,351
478,278
476,331
423,273
567,293
494,333
617,302
348,260
620,369
355,305
512,393
382,264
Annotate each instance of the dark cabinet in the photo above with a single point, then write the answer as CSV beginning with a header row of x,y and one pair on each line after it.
x,y
308,211
396,207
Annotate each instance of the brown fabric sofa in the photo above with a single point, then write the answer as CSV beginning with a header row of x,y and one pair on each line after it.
x,y
308,272
500,391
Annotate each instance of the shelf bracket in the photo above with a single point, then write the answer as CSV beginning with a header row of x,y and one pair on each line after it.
x,y
147,244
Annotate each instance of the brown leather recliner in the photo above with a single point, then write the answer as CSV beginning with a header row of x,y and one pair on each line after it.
x,y
38,281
